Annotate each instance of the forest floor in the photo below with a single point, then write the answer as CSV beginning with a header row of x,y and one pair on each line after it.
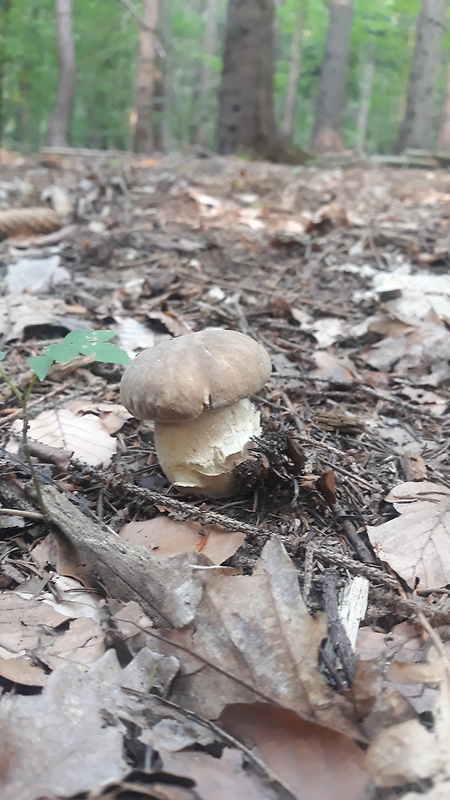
x,y
155,645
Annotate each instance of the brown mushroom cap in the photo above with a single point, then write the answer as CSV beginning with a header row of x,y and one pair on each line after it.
x,y
179,379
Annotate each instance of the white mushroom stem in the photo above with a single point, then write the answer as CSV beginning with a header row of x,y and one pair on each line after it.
x,y
199,455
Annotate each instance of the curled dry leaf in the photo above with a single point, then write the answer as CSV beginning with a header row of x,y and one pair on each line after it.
x,y
85,437
256,630
113,415
417,543
166,537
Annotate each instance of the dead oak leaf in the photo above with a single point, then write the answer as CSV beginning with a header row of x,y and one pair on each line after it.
x,y
253,638
417,543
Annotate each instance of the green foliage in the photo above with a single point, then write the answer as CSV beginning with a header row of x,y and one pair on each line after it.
x,y
87,343
106,42
79,343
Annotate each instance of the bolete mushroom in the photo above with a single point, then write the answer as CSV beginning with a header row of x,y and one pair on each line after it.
x,y
196,388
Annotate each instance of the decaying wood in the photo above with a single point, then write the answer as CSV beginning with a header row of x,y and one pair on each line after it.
x,y
129,572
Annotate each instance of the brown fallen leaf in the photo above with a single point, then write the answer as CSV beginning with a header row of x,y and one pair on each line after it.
x,y
23,672
417,543
334,369
60,742
113,415
417,348
166,537
435,403
85,437
311,761
221,778
254,639
409,752
33,629
413,466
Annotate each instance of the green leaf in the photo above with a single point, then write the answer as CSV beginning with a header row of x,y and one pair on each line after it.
x,y
40,365
2,355
76,343
111,354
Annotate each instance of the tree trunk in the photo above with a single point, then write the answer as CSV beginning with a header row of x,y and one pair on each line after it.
x,y
443,142
364,104
4,14
206,78
165,28
327,135
417,128
290,100
246,113
142,138
58,126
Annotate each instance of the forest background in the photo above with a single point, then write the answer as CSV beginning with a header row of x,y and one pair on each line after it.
x,y
376,65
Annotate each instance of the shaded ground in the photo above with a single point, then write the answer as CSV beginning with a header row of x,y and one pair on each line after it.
x,y
314,264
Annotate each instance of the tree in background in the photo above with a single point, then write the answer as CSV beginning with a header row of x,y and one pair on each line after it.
x,y
443,142
206,78
58,126
417,128
246,110
4,13
330,102
142,135
295,60
246,113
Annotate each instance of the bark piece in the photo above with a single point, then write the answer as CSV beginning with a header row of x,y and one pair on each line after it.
x,y
130,572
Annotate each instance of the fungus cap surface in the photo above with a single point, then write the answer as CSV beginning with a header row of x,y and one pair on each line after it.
x,y
179,379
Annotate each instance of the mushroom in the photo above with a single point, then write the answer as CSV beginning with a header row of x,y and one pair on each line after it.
x,y
196,388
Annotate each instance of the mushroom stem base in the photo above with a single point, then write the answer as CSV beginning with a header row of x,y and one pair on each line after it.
x,y
198,456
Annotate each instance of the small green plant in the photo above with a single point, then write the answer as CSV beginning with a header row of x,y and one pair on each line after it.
x,y
76,343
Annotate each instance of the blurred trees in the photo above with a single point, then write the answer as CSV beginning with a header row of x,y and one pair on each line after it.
x,y
417,127
246,113
141,122
375,70
58,126
327,135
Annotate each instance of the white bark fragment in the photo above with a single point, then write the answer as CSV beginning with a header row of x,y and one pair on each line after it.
x,y
353,601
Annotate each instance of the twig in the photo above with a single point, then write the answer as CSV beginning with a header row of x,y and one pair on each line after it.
x,y
336,630
351,534
15,512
